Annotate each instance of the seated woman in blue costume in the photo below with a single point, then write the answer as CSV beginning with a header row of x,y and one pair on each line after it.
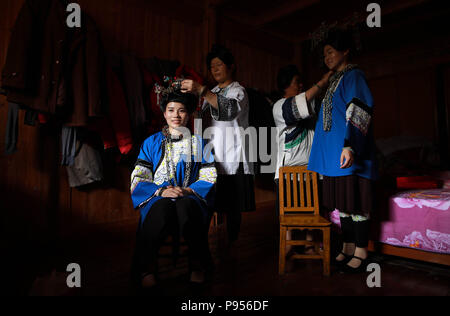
x,y
343,150
172,186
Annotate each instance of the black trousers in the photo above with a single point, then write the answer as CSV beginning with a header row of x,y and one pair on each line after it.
x,y
235,194
355,232
182,217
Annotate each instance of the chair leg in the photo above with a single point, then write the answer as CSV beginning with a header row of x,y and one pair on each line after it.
x,y
317,242
216,219
326,251
282,253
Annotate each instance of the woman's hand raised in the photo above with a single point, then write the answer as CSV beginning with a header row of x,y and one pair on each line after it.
x,y
325,79
191,86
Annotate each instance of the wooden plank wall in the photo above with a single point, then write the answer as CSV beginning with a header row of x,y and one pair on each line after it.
x,y
35,200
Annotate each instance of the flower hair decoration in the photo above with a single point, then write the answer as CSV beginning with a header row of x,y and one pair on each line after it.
x,y
172,85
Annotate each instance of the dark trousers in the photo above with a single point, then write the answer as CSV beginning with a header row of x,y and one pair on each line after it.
x,y
355,232
235,194
182,217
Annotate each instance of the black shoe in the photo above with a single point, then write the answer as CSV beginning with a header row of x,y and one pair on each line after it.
x,y
341,263
362,268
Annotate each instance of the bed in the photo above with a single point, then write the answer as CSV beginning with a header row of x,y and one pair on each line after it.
x,y
417,226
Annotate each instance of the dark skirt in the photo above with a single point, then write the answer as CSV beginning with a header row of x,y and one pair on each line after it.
x,y
349,194
235,193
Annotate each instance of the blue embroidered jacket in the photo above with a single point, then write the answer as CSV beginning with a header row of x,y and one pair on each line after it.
x,y
352,110
202,175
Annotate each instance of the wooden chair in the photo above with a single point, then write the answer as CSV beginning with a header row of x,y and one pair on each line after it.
x,y
299,210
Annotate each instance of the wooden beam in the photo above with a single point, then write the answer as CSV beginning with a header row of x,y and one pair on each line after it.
x,y
218,3
269,15
281,11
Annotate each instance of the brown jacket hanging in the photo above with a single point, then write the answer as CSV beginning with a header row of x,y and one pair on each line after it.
x,y
51,67
35,56
86,75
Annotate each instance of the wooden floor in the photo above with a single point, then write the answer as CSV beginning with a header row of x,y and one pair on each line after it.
x,y
249,268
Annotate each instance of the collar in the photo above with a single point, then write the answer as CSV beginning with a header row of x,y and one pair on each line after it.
x,y
172,138
217,89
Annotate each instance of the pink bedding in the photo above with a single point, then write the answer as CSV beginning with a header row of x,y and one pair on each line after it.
x,y
418,219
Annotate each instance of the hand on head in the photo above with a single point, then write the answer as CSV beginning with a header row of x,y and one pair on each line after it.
x,y
191,86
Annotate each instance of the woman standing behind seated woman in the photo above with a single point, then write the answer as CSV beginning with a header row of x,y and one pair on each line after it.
x,y
172,186
344,152
227,104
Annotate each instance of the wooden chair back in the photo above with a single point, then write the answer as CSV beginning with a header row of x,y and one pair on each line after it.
x,y
298,189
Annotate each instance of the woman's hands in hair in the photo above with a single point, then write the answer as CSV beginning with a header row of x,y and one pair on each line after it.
x,y
191,86
176,192
347,158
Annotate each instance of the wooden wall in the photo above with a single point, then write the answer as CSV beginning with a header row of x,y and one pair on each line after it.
x,y
35,200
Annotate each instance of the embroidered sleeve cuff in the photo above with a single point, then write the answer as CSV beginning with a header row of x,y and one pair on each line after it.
x,y
301,107
359,115
208,174
228,109
142,173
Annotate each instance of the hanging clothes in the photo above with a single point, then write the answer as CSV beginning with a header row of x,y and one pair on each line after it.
x,y
12,129
85,79
31,117
118,113
87,167
154,114
114,129
52,68
35,58
133,90
69,142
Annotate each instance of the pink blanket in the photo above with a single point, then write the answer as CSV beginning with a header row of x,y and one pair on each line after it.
x,y
418,219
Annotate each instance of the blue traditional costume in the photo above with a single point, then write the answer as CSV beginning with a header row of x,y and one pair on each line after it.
x,y
345,121
170,161
152,171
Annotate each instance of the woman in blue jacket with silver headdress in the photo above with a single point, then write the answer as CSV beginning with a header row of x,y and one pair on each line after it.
x,y
172,186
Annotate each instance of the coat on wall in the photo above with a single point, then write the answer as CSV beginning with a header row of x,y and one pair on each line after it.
x,y
52,68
